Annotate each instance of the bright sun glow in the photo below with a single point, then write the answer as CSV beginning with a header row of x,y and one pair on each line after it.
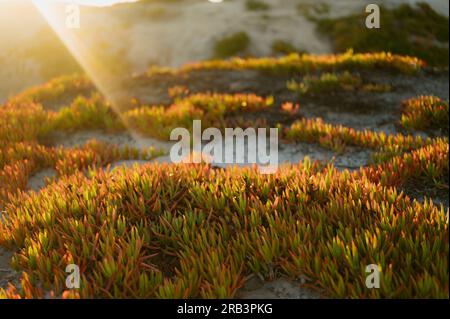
x,y
97,2
97,71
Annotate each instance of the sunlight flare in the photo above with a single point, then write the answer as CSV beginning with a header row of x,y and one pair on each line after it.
x,y
96,70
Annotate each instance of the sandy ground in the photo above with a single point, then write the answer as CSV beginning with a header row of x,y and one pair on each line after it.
x,y
38,180
288,153
120,139
282,288
201,24
173,34
7,274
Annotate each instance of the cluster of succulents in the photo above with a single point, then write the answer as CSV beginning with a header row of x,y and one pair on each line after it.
x,y
25,121
191,231
24,124
91,112
337,137
428,163
426,113
212,109
19,161
305,63
55,89
334,82
196,231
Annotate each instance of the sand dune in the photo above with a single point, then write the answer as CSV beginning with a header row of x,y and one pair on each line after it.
x,y
169,34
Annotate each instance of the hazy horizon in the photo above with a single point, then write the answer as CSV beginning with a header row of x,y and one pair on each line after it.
x,y
99,3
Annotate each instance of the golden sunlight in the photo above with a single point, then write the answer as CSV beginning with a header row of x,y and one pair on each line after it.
x,y
235,150
95,68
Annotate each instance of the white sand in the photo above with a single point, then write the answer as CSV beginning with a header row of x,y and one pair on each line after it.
x,y
7,274
278,289
351,159
78,139
38,180
187,32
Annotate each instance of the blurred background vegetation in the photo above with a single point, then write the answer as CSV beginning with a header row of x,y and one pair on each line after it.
x,y
416,30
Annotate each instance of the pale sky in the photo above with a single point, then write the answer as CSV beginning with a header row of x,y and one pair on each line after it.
x,y
85,2
101,2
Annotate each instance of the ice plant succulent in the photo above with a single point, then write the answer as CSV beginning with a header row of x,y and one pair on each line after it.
x,y
196,231
305,63
334,82
214,227
427,113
